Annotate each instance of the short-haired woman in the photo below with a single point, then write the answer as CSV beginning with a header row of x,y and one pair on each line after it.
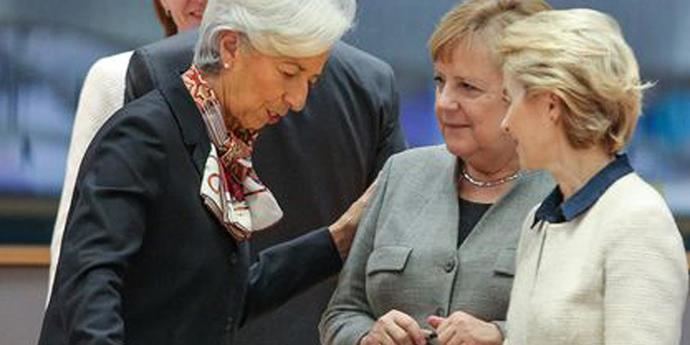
x,y
601,260
436,249
155,248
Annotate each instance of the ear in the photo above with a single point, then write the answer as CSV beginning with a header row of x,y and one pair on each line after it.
x,y
228,46
555,106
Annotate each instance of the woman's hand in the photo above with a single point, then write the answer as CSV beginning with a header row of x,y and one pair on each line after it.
x,y
344,229
465,329
394,328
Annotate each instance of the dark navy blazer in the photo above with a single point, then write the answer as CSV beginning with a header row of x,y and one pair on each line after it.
x,y
316,162
143,261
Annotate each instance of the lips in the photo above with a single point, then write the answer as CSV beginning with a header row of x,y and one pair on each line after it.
x,y
273,117
454,125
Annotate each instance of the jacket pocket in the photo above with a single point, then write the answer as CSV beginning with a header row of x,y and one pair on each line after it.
x,y
505,262
388,259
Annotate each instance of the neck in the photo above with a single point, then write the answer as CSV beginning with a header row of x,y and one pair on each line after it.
x,y
574,168
218,88
493,169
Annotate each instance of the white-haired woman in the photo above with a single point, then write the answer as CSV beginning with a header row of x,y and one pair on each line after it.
x,y
155,248
601,260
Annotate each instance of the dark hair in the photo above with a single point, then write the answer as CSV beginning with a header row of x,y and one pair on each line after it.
x,y
164,19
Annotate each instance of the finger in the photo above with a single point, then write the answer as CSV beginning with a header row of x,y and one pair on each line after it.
x,y
447,335
364,199
434,321
411,328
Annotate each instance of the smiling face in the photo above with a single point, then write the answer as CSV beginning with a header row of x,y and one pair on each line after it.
x,y
531,121
257,89
470,104
185,13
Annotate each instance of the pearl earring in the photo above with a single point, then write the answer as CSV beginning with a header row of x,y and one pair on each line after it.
x,y
226,65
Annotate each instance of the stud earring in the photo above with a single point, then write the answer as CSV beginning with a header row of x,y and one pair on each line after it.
x,y
226,65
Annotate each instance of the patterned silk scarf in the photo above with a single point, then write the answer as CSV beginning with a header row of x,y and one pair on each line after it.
x,y
230,187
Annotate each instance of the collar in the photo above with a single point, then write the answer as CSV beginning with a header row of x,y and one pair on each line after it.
x,y
554,210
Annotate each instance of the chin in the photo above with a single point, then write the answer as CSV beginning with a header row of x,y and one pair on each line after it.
x,y
460,148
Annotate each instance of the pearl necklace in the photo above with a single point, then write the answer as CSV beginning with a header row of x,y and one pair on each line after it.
x,y
488,184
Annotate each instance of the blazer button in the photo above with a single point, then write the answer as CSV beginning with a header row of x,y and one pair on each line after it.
x,y
233,258
449,266
228,324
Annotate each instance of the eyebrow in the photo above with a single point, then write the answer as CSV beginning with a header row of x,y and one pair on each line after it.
x,y
463,79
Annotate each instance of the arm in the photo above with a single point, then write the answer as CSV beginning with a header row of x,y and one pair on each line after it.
x,y
348,316
119,180
287,269
646,279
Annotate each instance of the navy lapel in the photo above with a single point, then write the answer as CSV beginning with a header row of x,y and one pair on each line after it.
x,y
189,120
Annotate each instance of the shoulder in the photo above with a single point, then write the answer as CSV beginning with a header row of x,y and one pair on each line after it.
x,y
632,198
108,64
634,211
173,53
108,73
420,166
427,157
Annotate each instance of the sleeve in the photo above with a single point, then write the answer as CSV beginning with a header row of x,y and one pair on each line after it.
x,y
139,80
646,279
121,177
289,268
348,316
101,95
392,138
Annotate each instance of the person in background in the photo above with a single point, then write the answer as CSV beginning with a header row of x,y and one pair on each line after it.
x,y
102,94
155,248
435,250
600,260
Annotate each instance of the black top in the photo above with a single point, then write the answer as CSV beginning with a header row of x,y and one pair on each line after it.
x,y
470,213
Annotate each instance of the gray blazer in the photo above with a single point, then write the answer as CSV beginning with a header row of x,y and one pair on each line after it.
x,y
405,254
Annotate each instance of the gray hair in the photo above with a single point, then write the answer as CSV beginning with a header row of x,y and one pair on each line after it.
x,y
294,28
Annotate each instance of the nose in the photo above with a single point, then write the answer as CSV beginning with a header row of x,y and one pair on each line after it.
x,y
445,99
296,96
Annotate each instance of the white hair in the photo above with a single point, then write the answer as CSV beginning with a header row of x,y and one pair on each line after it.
x,y
294,28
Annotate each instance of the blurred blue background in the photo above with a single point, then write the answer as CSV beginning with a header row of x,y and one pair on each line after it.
x,y
47,46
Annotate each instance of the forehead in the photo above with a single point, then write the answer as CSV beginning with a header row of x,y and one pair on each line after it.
x,y
309,64
469,59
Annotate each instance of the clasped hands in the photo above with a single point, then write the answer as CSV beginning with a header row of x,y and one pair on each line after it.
x,y
398,328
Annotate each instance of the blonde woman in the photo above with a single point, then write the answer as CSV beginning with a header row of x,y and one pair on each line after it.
x,y
601,260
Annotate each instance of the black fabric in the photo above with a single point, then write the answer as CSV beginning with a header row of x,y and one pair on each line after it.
x,y
316,162
143,261
469,215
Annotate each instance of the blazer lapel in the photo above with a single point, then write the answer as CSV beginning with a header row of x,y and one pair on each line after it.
x,y
189,120
440,204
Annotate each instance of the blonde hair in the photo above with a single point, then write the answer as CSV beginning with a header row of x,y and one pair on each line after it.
x,y
479,19
581,56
